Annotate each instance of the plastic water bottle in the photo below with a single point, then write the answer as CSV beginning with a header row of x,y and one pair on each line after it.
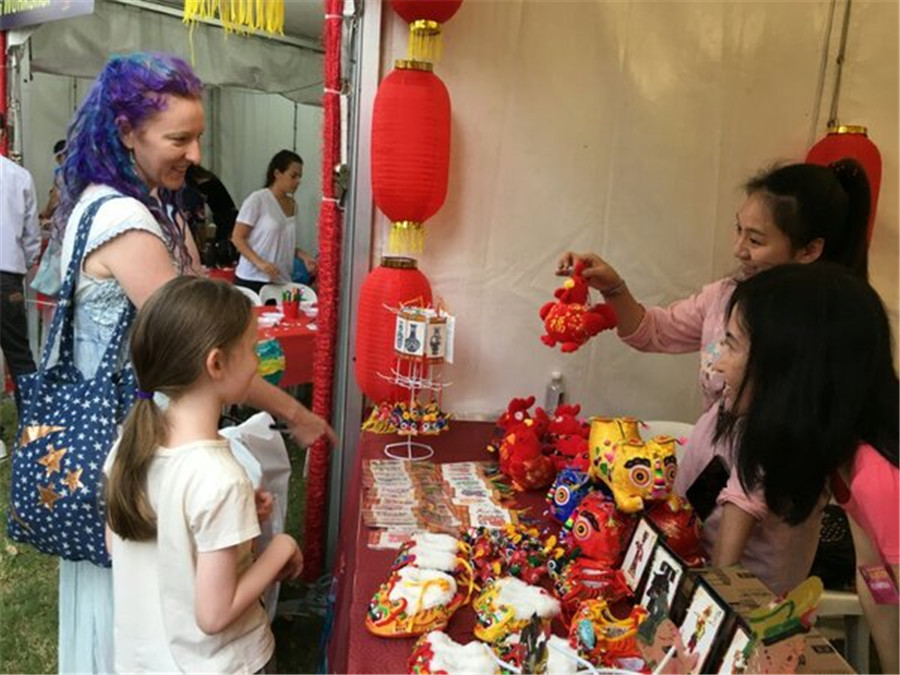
x,y
556,392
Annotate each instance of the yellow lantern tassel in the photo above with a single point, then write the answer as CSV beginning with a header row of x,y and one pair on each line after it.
x,y
425,42
406,236
242,16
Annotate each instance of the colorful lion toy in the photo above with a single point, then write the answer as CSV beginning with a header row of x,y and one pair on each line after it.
x,y
569,488
633,470
507,605
603,639
675,518
600,530
570,321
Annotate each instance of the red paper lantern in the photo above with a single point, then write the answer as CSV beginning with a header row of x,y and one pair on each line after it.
x,y
852,141
425,18
410,150
395,282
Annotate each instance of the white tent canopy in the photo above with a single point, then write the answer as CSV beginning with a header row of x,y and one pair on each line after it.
x,y
80,46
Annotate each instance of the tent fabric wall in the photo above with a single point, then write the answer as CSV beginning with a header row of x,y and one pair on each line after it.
x,y
81,46
251,128
627,129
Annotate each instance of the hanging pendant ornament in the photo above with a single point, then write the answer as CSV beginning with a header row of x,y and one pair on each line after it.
x,y
852,141
410,151
425,18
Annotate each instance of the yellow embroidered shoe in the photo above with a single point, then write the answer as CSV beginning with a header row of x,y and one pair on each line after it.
x,y
507,605
412,602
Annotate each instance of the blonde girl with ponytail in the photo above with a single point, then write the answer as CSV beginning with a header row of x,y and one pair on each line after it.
x,y
181,512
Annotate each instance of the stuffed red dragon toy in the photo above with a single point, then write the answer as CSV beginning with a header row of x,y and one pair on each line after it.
x,y
570,321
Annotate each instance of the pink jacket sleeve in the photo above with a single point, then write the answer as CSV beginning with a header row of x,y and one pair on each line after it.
x,y
678,328
753,502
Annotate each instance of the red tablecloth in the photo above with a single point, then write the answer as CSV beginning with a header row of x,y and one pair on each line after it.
x,y
360,570
298,342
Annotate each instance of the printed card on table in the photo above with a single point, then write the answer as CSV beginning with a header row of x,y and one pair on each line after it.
x,y
637,557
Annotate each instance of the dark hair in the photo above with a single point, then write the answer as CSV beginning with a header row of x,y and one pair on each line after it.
x,y
809,201
281,162
197,174
820,378
175,330
2,121
59,146
130,89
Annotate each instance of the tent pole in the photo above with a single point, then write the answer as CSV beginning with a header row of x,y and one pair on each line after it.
x,y
3,95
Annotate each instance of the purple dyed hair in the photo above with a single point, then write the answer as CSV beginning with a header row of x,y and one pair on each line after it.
x,y
130,89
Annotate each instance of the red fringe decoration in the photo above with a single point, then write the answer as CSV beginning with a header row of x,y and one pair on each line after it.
x,y
330,231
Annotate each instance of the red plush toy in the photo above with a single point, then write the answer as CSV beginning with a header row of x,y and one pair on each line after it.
x,y
569,438
680,527
569,320
516,413
522,460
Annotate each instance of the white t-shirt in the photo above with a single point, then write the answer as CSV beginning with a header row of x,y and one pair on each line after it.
x,y
273,236
204,502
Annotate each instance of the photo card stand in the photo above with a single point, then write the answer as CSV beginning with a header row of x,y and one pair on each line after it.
x,y
417,380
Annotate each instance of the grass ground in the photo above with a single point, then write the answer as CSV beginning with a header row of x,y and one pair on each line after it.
x,y
28,589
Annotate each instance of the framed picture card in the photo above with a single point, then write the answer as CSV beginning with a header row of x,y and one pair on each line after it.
x,y
702,624
737,654
639,552
666,572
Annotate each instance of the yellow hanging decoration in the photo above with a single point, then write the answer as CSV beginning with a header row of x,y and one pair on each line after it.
x,y
425,42
406,236
238,16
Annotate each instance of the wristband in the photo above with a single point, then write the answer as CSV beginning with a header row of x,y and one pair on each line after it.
x,y
614,290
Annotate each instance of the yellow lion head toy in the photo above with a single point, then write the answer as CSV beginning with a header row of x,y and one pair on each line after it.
x,y
635,471
605,433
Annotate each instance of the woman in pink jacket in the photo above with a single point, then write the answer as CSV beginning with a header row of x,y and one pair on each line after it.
x,y
815,408
796,213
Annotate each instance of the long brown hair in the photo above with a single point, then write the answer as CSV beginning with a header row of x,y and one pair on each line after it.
x,y
173,333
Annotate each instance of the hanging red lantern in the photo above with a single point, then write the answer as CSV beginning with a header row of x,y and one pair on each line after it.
x,y
425,18
410,150
852,141
395,282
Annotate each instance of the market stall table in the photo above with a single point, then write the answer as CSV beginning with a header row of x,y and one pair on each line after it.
x,y
297,338
359,570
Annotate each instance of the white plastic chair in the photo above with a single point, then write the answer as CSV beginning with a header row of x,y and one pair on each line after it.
x,y
275,291
253,295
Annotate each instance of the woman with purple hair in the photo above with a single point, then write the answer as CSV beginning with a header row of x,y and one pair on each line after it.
x,y
134,137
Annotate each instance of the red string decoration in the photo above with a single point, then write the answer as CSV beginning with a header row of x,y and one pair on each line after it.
x,y
330,229
394,283
410,150
852,141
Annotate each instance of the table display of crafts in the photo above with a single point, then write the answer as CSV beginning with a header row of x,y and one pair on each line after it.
x,y
603,585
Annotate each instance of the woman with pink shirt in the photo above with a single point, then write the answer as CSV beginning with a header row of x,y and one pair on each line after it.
x,y
795,213
811,403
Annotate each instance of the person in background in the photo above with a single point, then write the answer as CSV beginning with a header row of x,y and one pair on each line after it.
x,y
181,510
811,404
795,213
20,245
46,214
133,137
217,198
265,233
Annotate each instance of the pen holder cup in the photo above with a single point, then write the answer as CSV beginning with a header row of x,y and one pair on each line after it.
x,y
291,309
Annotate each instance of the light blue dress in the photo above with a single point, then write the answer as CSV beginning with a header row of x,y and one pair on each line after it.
x,y
85,590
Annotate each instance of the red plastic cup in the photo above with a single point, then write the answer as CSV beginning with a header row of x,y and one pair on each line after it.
x,y
291,309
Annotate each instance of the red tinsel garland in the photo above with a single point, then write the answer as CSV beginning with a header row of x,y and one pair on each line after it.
x,y
330,231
